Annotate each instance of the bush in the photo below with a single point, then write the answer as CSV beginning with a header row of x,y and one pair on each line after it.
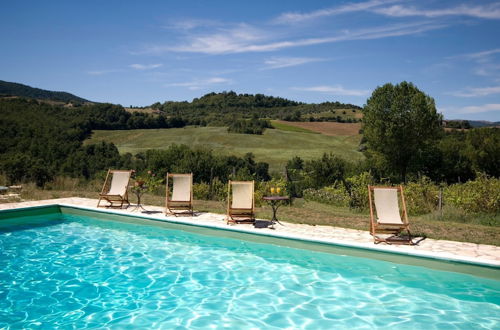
x,y
421,196
254,126
263,188
481,195
217,190
333,195
201,191
325,171
358,190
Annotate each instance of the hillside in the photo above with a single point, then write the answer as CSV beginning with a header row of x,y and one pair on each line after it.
x,y
275,146
482,123
20,90
222,109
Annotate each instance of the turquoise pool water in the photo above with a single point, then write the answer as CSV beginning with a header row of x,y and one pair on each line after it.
x,y
76,271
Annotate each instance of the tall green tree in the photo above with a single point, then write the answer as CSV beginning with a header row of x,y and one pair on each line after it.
x,y
483,149
400,122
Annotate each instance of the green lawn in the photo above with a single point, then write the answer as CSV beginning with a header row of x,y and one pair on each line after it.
x,y
275,146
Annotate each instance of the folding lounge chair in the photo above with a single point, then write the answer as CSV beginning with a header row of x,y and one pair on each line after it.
x,y
240,202
388,218
115,189
182,193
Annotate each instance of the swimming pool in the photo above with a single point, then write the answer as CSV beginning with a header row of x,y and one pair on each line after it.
x,y
70,268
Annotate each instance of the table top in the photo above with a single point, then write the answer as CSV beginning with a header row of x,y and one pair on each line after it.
x,y
275,198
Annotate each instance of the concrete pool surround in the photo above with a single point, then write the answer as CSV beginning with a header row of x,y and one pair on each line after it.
x,y
469,253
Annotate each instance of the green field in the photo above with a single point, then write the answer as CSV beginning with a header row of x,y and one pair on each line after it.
x,y
290,128
275,146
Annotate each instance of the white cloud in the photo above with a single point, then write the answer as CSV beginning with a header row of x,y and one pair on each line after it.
x,y
480,108
348,8
245,38
334,90
486,61
491,11
472,109
285,62
476,91
223,41
200,83
145,66
481,56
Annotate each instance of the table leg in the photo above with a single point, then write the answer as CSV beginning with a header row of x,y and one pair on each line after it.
x,y
275,205
138,206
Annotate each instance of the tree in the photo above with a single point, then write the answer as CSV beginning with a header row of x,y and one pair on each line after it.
x,y
325,171
456,165
483,149
399,123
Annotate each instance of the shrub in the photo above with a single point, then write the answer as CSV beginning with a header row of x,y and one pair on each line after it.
x,y
254,126
422,196
358,189
333,195
263,188
217,190
481,195
201,191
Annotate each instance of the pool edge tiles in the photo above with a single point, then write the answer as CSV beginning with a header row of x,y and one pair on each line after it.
x,y
481,269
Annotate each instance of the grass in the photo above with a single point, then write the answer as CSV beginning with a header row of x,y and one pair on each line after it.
x,y
275,146
327,128
283,126
454,225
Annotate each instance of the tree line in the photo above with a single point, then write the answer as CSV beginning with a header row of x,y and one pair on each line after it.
x,y
39,140
223,109
403,139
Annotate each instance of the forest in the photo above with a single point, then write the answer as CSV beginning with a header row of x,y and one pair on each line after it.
x,y
223,109
15,89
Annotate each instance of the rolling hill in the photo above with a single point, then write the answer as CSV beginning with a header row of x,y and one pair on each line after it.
x,y
275,146
483,123
20,90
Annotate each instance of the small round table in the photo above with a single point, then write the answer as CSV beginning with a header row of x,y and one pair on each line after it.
x,y
138,193
274,201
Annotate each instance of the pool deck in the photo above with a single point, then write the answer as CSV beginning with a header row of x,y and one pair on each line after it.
x,y
458,251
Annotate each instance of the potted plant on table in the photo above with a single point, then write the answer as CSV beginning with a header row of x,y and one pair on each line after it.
x,y
143,184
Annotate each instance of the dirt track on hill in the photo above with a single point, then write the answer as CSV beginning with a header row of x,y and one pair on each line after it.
x,y
327,128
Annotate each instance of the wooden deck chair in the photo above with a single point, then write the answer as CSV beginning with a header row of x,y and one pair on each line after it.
x,y
240,202
388,217
182,193
115,188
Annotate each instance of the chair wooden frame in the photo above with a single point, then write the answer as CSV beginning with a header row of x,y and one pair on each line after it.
x,y
113,199
173,206
240,215
392,229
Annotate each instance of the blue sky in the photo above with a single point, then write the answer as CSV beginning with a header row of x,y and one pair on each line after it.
x,y
140,52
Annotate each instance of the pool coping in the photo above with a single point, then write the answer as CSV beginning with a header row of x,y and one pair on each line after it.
x,y
161,217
